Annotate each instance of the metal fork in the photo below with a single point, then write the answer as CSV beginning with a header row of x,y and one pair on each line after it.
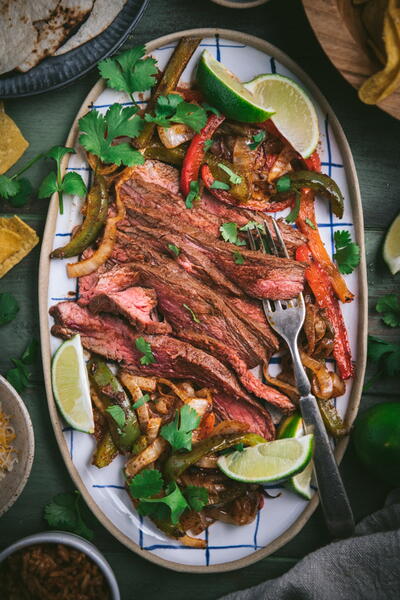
x,y
287,318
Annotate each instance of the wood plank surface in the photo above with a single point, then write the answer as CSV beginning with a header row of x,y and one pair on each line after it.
x,y
373,137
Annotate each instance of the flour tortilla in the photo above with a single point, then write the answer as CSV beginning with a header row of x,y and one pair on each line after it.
x,y
17,34
102,15
52,32
40,10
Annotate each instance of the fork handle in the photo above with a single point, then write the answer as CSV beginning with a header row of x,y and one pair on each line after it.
x,y
334,501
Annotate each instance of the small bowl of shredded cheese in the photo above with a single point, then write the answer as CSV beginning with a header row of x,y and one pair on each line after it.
x,y
16,445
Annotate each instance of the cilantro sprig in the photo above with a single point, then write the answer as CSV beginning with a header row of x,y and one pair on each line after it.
x,y
100,132
389,307
64,513
386,355
179,432
19,376
229,232
258,139
71,183
129,72
347,255
145,348
16,189
9,308
173,109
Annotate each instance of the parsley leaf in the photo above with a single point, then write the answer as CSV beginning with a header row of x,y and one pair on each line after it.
x,y
193,194
173,109
71,183
129,71
219,185
179,432
207,145
233,177
145,348
64,513
192,314
347,253
310,223
142,400
9,308
229,232
174,249
258,138
99,132
146,484
283,184
387,357
174,501
117,414
389,307
238,258
197,497
294,213
210,108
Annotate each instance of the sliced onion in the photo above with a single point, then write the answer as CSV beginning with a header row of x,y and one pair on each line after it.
x,y
323,386
146,457
226,427
153,428
282,164
174,136
192,542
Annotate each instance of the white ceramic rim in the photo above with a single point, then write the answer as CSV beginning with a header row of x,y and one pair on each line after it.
x,y
75,541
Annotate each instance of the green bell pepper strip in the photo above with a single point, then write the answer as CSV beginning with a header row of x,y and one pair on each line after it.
x,y
173,156
105,452
111,391
95,217
320,183
177,463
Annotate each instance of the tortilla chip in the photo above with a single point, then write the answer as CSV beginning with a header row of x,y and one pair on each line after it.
x,y
102,15
16,241
12,142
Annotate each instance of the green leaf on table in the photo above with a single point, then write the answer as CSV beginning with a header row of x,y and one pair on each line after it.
x,y
196,497
8,187
145,348
31,352
179,432
229,232
64,513
389,307
73,184
129,71
146,484
117,414
9,308
386,355
347,255
19,376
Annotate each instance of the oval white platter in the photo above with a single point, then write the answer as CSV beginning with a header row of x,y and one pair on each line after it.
x,y
229,547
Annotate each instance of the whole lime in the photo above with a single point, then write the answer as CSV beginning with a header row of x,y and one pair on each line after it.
x,y
376,439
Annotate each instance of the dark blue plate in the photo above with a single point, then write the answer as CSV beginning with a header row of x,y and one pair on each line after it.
x,y
57,71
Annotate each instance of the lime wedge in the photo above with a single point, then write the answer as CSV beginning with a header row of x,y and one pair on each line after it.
x,y
71,385
223,90
271,462
295,115
391,247
292,427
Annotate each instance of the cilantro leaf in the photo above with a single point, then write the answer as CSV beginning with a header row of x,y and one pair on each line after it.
x,y
145,348
64,513
192,314
190,114
347,253
389,307
173,109
31,352
387,357
99,131
294,213
8,187
310,223
229,232
219,185
174,249
117,414
58,152
234,178
210,108
258,138
24,193
73,184
9,308
146,484
193,194
174,501
18,379
197,497
179,432
19,376
142,400
48,185
238,258
283,184
129,71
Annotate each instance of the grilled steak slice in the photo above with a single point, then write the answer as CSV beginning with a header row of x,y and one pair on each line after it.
x,y
229,408
261,275
155,185
115,340
106,279
135,304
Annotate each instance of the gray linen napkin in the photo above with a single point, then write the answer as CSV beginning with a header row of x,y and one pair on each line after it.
x,y
365,567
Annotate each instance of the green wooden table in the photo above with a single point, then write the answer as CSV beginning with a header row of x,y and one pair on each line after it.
x,y
374,138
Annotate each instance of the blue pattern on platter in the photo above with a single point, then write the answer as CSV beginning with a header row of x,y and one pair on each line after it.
x,y
225,543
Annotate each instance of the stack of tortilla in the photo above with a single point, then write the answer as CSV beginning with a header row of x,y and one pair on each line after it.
x,y
30,30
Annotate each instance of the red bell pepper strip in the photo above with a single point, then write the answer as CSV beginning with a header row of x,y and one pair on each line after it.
x,y
316,245
313,162
195,153
321,287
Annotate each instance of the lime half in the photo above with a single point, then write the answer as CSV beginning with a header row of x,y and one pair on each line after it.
x,y
295,115
292,427
271,462
391,247
71,385
223,90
